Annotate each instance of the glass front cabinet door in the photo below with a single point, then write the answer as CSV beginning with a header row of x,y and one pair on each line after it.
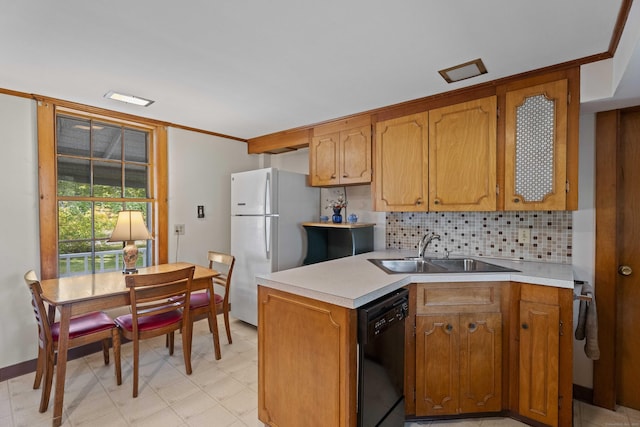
x,y
536,147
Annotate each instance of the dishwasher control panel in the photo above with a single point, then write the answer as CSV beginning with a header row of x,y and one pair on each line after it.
x,y
380,315
388,318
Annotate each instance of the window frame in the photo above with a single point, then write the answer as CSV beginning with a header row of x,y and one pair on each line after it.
x,y
47,177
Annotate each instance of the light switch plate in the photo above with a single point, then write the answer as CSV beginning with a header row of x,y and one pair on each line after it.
x,y
524,235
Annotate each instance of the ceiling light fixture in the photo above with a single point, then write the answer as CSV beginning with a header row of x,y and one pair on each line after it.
x,y
463,71
130,99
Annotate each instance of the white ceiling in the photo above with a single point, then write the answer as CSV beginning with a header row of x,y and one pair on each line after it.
x,y
246,68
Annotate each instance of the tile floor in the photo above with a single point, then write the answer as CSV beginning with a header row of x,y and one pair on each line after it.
x,y
219,393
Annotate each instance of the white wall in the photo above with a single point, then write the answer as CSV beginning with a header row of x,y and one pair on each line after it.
x,y
20,248
293,161
583,243
200,168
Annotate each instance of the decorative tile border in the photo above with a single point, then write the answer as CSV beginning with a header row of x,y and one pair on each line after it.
x,y
493,234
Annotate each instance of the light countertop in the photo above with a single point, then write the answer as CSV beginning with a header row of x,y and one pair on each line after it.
x,y
354,281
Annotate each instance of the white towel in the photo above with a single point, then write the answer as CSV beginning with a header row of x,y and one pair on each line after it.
x,y
588,323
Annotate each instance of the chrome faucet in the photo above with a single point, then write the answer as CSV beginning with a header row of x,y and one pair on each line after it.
x,y
424,242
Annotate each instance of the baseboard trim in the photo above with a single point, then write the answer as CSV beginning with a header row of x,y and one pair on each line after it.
x,y
583,394
29,366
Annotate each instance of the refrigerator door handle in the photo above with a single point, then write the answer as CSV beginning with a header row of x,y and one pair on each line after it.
x,y
267,194
267,237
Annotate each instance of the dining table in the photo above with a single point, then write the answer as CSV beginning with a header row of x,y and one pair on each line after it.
x,y
80,294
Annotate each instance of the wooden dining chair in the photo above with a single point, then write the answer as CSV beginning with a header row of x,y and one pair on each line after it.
x,y
159,306
200,301
84,329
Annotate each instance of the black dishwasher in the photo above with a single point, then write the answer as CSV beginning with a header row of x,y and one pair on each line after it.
x,y
381,360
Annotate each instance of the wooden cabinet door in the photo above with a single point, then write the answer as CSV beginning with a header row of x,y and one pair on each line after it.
x,y
401,164
480,362
324,160
536,147
538,359
462,156
355,156
437,360
307,361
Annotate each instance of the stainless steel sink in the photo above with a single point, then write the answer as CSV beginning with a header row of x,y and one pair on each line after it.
x,y
436,265
402,265
467,264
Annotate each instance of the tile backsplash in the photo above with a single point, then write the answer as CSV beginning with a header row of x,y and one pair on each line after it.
x,y
493,234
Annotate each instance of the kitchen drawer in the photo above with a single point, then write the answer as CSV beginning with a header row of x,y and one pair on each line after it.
x,y
458,297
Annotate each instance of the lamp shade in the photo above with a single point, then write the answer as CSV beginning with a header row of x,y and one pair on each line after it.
x,y
130,226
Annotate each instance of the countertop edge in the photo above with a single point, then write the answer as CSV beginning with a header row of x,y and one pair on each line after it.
x,y
367,282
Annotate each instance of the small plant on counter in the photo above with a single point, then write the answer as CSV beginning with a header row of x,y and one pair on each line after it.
x,y
338,203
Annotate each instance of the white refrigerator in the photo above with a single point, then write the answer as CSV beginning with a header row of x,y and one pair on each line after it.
x,y
267,209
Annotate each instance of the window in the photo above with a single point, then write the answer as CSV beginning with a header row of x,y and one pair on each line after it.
x,y
102,168
91,167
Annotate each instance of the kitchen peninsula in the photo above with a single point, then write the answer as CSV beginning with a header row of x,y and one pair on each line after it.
x,y
307,341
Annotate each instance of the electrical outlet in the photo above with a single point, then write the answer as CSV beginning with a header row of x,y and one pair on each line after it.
x,y
524,235
179,228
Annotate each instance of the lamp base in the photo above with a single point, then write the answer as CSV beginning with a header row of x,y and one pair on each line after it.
x,y
130,257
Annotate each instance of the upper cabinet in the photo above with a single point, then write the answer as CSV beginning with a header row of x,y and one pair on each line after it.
x,y
324,151
478,160
462,156
536,163
340,154
401,164
443,160
510,144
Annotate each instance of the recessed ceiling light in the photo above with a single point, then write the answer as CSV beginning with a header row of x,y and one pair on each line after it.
x,y
463,71
130,99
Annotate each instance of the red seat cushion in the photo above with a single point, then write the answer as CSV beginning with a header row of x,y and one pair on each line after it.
x,y
201,299
149,322
84,325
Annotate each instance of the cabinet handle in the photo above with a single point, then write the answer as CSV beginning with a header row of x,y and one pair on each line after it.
x,y
436,201
516,200
449,327
418,201
345,176
333,176
472,326
525,326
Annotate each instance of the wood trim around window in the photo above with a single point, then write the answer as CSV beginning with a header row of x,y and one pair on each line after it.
x,y
162,195
47,190
48,193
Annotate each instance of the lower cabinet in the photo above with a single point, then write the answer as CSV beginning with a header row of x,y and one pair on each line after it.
x,y
487,347
545,344
458,349
306,361
459,363
471,347
539,361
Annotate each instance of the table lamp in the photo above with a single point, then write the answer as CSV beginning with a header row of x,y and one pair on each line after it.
x,y
130,226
